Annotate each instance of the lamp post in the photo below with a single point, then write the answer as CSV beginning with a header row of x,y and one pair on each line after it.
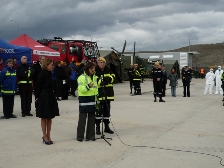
x,y
16,23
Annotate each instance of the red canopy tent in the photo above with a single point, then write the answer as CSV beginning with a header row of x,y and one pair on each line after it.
x,y
38,49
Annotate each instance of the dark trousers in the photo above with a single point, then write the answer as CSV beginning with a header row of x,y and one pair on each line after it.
x,y
74,86
65,89
25,91
131,83
157,87
104,111
8,104
163,89
90,131
186,89
142,78
137,86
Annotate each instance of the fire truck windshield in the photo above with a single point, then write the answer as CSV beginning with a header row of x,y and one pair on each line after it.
x,y
76,51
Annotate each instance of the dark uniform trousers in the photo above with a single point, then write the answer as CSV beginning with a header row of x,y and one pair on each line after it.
x,y
186,89
157,88
90,132
104,108
137,86
131,83
163,89
8,104
25,91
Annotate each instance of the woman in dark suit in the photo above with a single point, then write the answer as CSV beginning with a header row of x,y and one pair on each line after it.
x,y
47,106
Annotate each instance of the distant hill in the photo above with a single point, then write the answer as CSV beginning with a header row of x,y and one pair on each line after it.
x,y
210,54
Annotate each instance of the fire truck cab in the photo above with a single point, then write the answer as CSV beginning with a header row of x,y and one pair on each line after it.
x,y
71,50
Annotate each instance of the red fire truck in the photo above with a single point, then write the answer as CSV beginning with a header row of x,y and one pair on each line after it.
x,y
71,50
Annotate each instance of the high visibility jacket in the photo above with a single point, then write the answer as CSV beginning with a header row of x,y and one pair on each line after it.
x,y
105,83
25,73
8,81
87,94
142,70
202,71
136,75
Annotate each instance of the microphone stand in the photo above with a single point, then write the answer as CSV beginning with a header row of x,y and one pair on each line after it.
x,y
102,109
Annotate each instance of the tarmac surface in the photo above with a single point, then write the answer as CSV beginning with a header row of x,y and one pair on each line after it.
x,y
183,132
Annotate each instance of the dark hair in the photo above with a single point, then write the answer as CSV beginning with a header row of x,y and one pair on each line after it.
x,y
46,62
57,62
88,66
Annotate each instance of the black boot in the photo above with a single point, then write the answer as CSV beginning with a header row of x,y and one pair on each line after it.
x,y
155,98
160,99
108,130
131,91
98,130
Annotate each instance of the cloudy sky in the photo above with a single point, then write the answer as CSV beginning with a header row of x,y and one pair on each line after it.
x,y
154,25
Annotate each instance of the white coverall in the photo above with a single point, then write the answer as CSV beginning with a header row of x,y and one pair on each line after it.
x,y
210,76
218,81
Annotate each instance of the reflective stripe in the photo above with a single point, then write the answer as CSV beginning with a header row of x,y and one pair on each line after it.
x,y
108,98
107,118
109,85
80,83
94,87
5,91
24,82
29,73
87,104
10,74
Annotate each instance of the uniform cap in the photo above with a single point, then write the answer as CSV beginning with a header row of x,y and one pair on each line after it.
x,y
101,59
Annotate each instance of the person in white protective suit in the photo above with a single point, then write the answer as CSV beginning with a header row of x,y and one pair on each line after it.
x,y
210,76
218,81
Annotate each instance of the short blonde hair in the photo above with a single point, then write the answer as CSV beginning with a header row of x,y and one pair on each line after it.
x,y
46,62
101,59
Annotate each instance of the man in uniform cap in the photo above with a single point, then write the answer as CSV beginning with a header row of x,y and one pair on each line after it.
x,y
186,79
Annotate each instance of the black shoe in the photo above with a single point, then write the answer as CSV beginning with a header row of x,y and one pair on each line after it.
x,y
80,140
29,114
184,96
154,100
98,130
161,100
3,117
13,116
23,115
58,99
108,130
90,139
